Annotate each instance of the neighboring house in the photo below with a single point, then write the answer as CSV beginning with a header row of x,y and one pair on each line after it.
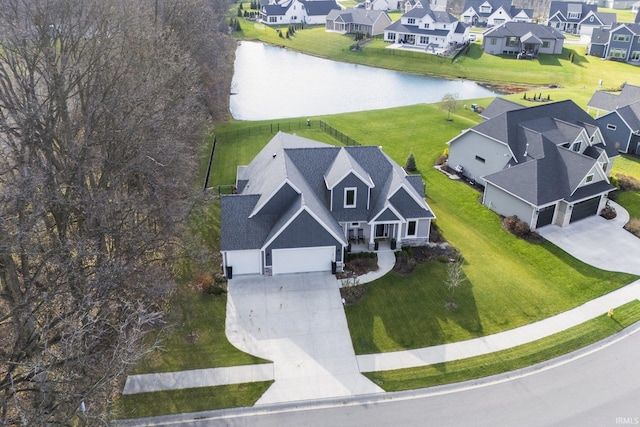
x,y
351,21
522,38
621,127
427,29
383,4
437,5
596,21
287,12
301,203
488,13
624,44
547,164
604,102
567,16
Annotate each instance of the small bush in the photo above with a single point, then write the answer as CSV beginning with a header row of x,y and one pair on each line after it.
x,y
516,226
410,165
608,212
633,226
627,183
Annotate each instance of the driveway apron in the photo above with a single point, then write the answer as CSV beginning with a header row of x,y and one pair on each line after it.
x,y
599,242
298,322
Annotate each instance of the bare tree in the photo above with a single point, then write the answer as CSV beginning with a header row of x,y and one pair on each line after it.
x,y
449,103
100,117
455,278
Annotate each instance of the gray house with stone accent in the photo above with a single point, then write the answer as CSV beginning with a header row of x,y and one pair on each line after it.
x,y
522,38
300,204
547,164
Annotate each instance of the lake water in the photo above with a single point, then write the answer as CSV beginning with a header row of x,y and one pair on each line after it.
x,y
271,82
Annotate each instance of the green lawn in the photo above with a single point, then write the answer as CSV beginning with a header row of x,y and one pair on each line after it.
x,y
630,200
189,400
514,358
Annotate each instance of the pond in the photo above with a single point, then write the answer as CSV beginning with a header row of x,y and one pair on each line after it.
x,y
271,82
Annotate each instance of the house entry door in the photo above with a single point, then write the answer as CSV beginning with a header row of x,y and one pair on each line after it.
x,y
382,230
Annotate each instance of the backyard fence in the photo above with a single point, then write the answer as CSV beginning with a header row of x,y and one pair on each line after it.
x,y
345,139
270,128
267,128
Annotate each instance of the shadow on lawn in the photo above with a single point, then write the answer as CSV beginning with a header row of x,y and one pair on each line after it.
x,y
408,312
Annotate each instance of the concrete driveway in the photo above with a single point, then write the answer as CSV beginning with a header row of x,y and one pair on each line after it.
x,y
599,242
298,322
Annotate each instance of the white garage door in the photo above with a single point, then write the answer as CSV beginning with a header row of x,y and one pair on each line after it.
x,y
244,262
302,260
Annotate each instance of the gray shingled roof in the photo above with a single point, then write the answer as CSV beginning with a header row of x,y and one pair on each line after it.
x,y
397,26
631,115
356,16
498,106
495,4
319,7
304,164
610,101
563,8
553,177
600,36
520,29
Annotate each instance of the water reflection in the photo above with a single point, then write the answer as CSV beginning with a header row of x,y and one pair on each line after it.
x,y
271,82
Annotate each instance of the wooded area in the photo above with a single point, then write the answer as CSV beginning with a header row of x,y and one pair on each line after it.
x,y
103,105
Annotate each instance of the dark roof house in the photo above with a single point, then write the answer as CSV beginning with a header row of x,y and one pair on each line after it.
x,y
301,203
522,38
547,164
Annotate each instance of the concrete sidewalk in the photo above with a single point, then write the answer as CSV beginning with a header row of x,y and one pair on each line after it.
x,y
502,340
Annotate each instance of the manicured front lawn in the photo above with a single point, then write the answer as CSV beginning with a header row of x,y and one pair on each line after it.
x,y
630,200
514,358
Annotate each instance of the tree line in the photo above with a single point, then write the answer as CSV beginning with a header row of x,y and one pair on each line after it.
x,y
102,107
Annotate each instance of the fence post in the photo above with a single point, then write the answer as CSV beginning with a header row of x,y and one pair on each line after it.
x,y
206,180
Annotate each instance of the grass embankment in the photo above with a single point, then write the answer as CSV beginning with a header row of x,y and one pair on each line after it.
x,y
514,358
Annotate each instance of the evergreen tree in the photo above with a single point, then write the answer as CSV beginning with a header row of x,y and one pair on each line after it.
x,y
410,165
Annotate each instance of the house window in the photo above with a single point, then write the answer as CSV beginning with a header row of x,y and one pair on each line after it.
x,y
350,197
426,25
574,15
635,56
589,178
611,127
618,53
605,166
493,41
576,146
411,20
391,36
355,224
498,21
513,41
424,40
591,19
480,159
273,19
545,44
621,37
412,228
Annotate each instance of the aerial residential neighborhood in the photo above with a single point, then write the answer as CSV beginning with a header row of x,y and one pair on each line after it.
x,y
307,222
319,212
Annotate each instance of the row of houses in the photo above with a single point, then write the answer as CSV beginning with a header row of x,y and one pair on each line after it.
x,y
301,205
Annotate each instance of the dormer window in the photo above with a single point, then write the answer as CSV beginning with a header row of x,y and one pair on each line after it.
x,y
576,146
350,194
411,20
589,178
